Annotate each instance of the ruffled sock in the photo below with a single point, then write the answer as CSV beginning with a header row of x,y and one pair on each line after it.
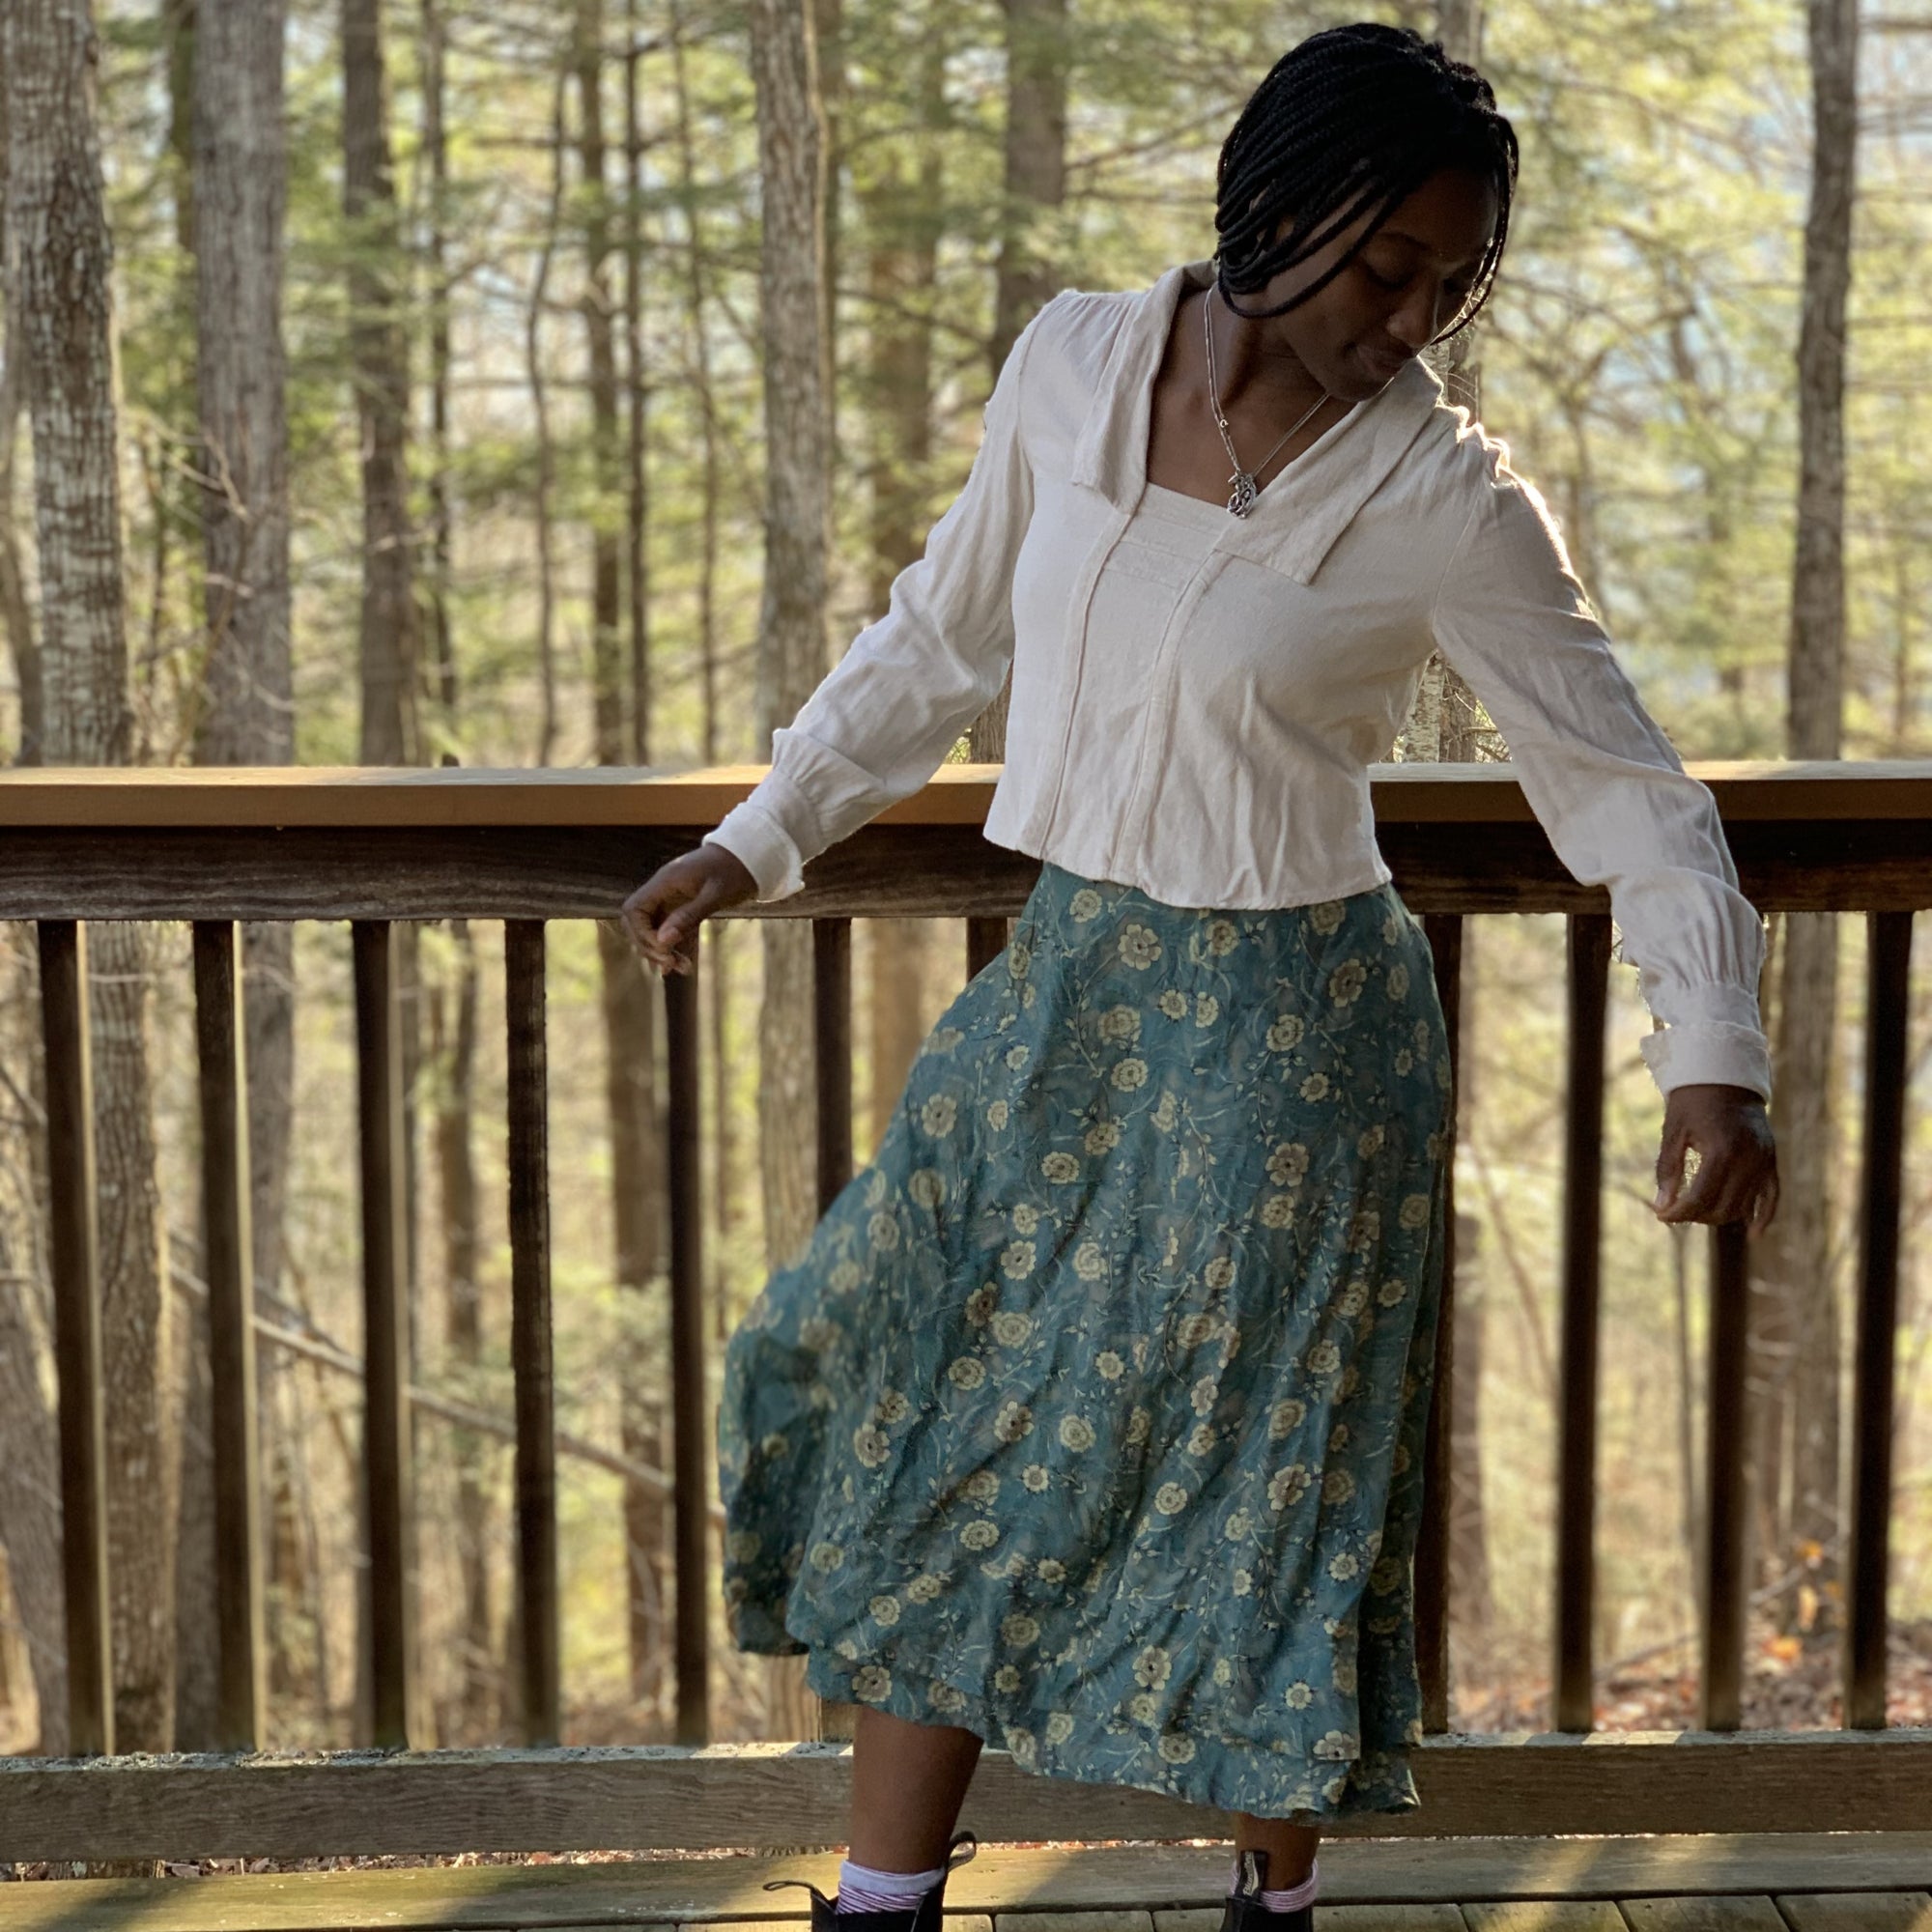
x,y
1289,1898
863,1889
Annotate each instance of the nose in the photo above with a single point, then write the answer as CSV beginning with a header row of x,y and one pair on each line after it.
x,y
1414,323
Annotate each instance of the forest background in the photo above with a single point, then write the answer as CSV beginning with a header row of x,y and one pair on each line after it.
x,y
420,381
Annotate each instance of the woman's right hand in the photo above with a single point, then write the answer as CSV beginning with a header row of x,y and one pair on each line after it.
x,y
663,914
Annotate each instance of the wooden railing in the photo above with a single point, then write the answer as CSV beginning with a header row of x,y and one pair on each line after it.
x,y
374,847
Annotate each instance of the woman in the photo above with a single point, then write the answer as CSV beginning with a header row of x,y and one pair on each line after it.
x,y
1091,1417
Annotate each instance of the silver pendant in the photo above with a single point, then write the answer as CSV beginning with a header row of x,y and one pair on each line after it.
x,y
1242,499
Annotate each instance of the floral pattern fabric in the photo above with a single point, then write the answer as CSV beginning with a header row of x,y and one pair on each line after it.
x,y
1091,1415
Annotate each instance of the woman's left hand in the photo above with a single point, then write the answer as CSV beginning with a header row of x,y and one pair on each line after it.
x,y
1737,1171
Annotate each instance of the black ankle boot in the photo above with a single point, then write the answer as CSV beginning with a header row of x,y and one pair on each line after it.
x,y
924,1916
1246,1912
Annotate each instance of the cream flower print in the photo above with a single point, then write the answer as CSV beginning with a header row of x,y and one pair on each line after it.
x,y
1130,1073
1287,1033
1403,1060
1176,1747
1369,1142
884,1229
1338,1486
1203,1439
1052,1570
1102,1136
1145,1708
1018,1630
1397,981
1089,1263
1287,1486
966,1371
1414,1211
1166,1113
1016,1260
1152,1667
1193,1329
1011,1326
938,1115
927,1188
1344,1567
1140,1424
1085,904
1337,1744
1059,1166
1326,917
1286,1417
1170,1499
979,1304
997,1115
1174,1003
1346,983
1019,957
983,1485
1207,1010
925,1588
826,1558
872,1682
1006,1678
1109,1364
1139,945
1036,1477
1238,1525
870,1446
1013,1421
1277,1210
1059,1728
1204,1394
1121,1023
1017,1055
1298,1696
944,1696
1222,937
1076,1431
1315,1086
1287,1163
1026,1217
1219,1272
845,1276
885,1609
1324,1358
980,1534
1353,1300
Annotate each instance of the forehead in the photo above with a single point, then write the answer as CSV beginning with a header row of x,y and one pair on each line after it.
x,y
1451,216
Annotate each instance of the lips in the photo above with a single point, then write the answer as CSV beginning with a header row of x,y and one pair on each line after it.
x,y
1381,366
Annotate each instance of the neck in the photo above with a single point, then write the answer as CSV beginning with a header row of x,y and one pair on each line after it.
x,y
1253,365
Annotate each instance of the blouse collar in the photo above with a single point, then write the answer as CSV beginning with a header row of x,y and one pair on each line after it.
x,y
1292,529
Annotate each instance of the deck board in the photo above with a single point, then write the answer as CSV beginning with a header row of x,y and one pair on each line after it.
x,y
1543,1915
1858,1912
1076,1889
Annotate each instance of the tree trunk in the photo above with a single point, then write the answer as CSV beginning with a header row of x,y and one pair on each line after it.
x,y
379,351
57,225
791,618
1035,185
630,1012
1796,1342
239,192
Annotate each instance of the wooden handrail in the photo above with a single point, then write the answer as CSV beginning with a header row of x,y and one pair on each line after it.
x,y
238,797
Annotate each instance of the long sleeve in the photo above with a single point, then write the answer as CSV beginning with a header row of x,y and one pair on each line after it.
x,y
882,720
1605,782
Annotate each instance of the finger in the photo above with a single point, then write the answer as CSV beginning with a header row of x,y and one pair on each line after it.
x,y
1671,1169
1765,1208
680,928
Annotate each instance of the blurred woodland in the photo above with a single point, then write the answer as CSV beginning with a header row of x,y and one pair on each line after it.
x,y
418,382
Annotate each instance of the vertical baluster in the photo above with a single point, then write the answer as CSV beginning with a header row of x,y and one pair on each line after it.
x,y
1724,1481
1589,967
985,940
1889,978
691,1415
385,1436
832,1040
530,1331
74,1255
220,1050
1444,931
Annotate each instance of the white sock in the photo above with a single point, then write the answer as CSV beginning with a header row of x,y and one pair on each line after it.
x,y
863,1889
1289,1898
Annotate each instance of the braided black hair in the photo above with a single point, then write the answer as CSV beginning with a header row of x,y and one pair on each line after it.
x,y
1352,120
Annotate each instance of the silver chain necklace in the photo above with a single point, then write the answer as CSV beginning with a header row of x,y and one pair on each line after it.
x,y
1242,497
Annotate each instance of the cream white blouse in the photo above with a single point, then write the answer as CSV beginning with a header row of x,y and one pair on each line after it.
x,y
1197,697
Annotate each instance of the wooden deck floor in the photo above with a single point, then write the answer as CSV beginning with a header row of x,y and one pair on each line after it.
x,y
1781,1883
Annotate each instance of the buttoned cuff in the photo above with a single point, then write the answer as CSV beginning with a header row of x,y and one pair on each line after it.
x,y
763,845
1695,1052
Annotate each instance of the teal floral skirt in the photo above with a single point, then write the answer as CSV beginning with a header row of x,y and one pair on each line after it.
x,y
1089,1418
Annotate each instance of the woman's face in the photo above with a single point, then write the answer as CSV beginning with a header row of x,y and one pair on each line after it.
x,y
1405,286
